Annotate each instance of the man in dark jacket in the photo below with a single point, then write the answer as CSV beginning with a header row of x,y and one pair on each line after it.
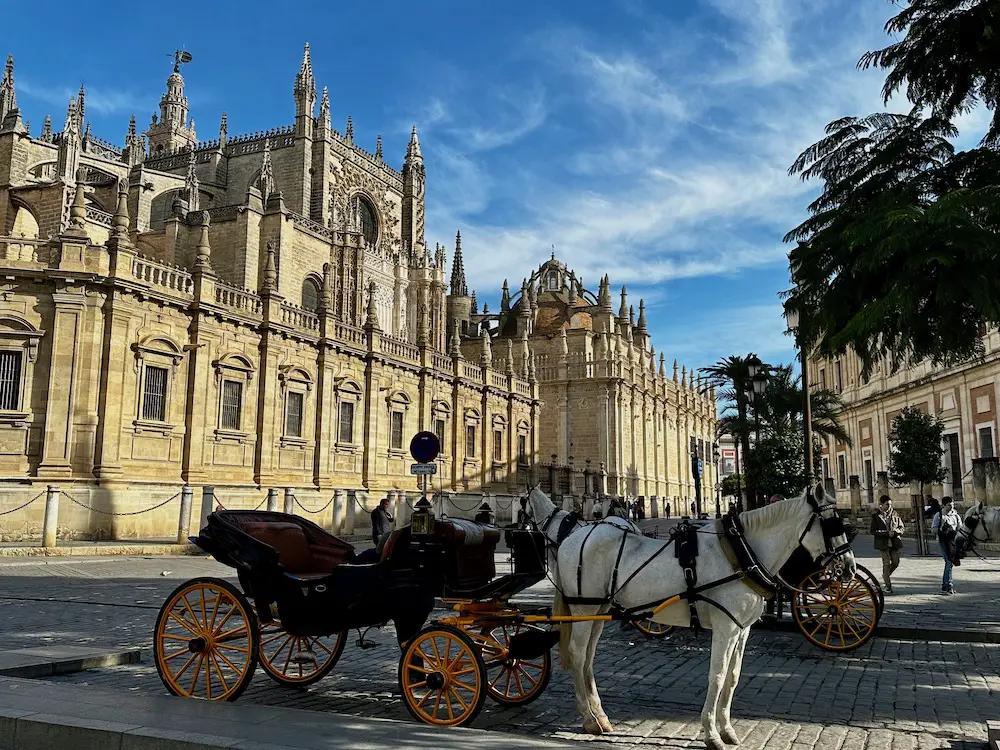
x,y
887,528
381,521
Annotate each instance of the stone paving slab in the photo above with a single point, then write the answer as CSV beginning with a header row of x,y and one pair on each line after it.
x,y
35,715
45,661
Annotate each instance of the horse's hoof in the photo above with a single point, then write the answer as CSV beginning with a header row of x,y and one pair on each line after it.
x,y
593,726
729,736
715,743
606,724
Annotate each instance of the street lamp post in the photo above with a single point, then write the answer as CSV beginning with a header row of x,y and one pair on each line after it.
x,y
757,385
793,319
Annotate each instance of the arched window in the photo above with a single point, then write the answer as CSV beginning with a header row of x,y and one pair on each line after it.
x,y
369,220
310,294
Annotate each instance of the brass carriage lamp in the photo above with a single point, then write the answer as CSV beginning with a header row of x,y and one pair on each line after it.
x,y
422,519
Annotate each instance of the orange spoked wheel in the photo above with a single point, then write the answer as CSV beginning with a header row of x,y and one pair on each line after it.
x,y
206,640
511,682
834,615
442,677
654,629
298,660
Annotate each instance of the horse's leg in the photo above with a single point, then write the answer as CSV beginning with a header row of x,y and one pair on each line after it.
x,y
579,642
724,635
724,722
595,699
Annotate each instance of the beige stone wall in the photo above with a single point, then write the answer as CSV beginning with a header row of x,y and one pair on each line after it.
x,y
964,397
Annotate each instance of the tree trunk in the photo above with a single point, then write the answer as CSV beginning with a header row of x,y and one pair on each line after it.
x,y
749,481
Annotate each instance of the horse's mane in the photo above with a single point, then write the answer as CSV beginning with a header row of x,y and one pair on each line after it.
x,y
768,516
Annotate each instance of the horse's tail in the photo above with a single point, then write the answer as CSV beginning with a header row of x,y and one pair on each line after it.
x,y
560,609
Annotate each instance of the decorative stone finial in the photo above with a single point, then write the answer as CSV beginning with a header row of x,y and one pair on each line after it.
x,y
642,316
623,310
203,250
505,297
684,376
270,284
119,222
458,286
223,130
78,211
378,147
563,342
486,352
349,132
510,357
675,370
663,366
371,321
326,293
455,343
47,129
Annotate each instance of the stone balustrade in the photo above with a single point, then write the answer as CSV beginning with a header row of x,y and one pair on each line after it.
x,y
162,275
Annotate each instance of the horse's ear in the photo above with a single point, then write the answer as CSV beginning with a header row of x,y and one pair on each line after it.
x,y
819,494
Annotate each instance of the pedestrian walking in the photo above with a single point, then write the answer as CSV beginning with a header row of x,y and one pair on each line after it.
x,y
946,525
887,528
382,521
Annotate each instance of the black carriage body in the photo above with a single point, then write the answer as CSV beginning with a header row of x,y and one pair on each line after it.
x,y
315,580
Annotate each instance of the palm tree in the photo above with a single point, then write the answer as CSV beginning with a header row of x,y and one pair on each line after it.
x,y
781,406
728,376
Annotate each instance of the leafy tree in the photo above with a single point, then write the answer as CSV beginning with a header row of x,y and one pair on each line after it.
x,y
731,484
915,448
900,258
728,376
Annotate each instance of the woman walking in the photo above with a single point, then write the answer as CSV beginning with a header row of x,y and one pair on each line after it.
x,y
887,528
946,525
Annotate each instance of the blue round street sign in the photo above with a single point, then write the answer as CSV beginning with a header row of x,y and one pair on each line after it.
x,y
424,447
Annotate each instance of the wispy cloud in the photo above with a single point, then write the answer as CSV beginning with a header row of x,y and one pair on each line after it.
x,y
104,101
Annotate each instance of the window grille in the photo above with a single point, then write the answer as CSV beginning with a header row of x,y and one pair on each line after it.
x,y
396,431
10,380
293,414
439,431
232,404
154,400
346,430
498,445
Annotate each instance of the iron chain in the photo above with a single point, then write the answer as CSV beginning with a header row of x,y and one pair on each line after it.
x,y
22,507
112,513
313,511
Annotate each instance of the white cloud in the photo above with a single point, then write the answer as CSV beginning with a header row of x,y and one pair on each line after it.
x,y
97,99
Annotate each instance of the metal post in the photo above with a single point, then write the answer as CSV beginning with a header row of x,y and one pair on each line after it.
x,y
272,500
289,501
207,505
51,522
806,417
184,521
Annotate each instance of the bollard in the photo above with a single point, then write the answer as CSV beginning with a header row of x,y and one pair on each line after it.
x,y
289,501
207,505
51,522
272,500
338,522
184,522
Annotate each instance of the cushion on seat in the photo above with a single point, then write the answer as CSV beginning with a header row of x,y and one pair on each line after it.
x,y
297,553
460,531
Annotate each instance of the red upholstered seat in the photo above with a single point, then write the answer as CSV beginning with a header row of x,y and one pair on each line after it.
x,y
303,551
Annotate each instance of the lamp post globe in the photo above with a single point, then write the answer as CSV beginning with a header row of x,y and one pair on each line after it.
x,y
753,365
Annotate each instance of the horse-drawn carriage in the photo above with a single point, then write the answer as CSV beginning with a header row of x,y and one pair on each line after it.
x,y
831,614
303,589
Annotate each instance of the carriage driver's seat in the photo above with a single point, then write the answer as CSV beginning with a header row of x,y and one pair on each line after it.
x,y
305,556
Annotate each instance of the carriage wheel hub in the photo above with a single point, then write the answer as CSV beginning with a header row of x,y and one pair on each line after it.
x,y
196,645
833,609
436,680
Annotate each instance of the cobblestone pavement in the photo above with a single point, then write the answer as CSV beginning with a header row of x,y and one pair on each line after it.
x,y
887,695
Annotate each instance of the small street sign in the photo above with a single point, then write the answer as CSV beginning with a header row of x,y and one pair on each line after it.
x,y
423,469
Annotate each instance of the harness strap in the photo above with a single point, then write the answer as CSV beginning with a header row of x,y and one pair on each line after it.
x,y
579,565
621,549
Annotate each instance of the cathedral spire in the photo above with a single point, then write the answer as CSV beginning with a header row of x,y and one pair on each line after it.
x,y
8,95
119,222
324,114
265,182
270,269
223,130
641,325
378,147
47,129
505,298
458,286
305,95
623,310
413,148
349,132
191,184
135,145
81,109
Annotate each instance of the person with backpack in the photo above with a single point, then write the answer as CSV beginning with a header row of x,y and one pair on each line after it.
x,y
887,528
945,526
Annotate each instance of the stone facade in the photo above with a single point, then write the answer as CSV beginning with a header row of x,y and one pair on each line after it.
x,y
613,422
964,397
251,312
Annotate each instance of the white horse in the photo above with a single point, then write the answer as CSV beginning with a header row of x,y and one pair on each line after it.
x,y
980,524
648,573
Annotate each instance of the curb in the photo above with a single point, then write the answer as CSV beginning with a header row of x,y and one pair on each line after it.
x,y
35,663
900,634
88,549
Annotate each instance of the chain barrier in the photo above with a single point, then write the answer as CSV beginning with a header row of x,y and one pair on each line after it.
x,y
475,507
22,507
313,511
220,506
501,506
112,513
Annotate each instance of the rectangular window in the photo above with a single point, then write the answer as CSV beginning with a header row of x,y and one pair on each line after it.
x,y
439,431
826,469
822,379
522,449
232,404
293,414
497,446
10,380
345,430
470,441
842,471
986,442
839,376
396,431
154,395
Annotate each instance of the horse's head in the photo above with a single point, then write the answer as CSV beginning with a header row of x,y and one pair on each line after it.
x,y
537,508
826,536
976,525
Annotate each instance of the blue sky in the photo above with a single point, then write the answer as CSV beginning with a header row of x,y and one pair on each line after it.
x,y
646,139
